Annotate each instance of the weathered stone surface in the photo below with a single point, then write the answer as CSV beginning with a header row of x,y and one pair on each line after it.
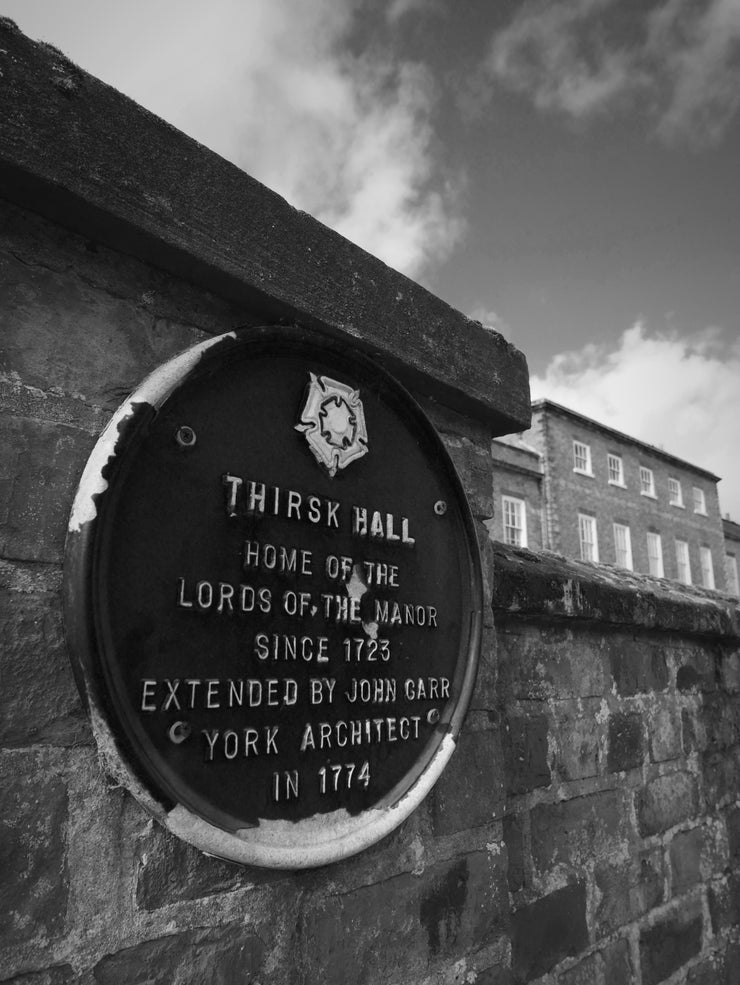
x,y
586,972
685,855
33,860
721,775
451,909
578,740
547,931
665,801
732,821
617,964
696,670
625,749
39,701
636,668
574,830
664,731
474,466
470,791
171,870
669,944
231,234
548,586
514,838
524,742
575,665
59,975
724,903
40,466
229,955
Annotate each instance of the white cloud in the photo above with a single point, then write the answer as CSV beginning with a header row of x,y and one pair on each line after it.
x,y
490,319
681,393
679,64
273,86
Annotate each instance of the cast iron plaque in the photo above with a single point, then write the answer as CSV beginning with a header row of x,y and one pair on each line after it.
x,y
273,598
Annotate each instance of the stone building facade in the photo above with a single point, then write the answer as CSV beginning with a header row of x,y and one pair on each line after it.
x,y
518,481
732,556
610,498
587,829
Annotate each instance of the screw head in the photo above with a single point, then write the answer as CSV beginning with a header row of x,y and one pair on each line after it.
x,y
179,732
185,436
440,507
433,716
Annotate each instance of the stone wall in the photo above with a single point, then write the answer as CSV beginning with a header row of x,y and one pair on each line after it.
x,y
106,271
618,697
585,830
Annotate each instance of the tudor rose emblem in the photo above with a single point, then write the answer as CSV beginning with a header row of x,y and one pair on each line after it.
x,y
333,422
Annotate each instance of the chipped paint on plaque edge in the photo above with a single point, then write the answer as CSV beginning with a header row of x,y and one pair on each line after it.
x,y
152,392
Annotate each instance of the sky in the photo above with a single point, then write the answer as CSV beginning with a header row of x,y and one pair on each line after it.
x,y
564,171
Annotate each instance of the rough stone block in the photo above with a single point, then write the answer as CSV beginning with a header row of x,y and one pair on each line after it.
x,y
625,750
452,909
578,739
648,882
614,895
475,468
724,903
538,663
229,955
665,801
668,944
730,672
171,871
470,791
693,737
39,701
685,855
58,975
664,729
547,931
721,721
721,775
40,467
638,668
574,830
514,839
696,670
33,853
586,972
524,740
617,964
732,821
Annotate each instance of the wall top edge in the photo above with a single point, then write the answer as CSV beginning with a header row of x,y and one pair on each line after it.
x,y
532,585
78,152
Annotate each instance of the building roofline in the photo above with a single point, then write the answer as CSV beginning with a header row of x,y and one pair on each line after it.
x,y
547,404
731,527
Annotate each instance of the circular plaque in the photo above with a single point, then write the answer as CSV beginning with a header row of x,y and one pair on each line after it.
x,y
273,598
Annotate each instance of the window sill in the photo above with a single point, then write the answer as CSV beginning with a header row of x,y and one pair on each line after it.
x,y
700,512
619,485
648,495
583,472
679,506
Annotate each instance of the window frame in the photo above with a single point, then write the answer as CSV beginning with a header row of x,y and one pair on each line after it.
x,y
698,492
626,549
731,575
660,572
611,457
678,501
588,470
705,554
651,491
680,561
522,505
585,520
